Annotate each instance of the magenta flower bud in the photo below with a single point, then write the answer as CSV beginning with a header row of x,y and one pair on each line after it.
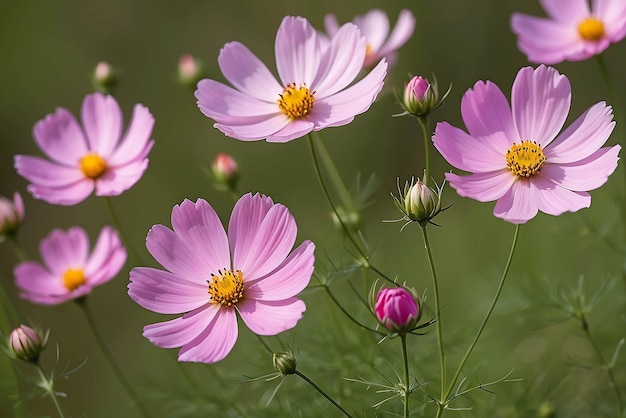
x,y
189,70
11,214
225,170
421,97
397,309
104,77
416,89
26,344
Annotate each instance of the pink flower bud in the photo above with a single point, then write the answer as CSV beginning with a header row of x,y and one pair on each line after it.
x,y
416,88
104,77
397,309
26,344
189,70
11,214
225,170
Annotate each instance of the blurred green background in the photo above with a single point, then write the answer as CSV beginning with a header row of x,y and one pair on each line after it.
x,y
48,50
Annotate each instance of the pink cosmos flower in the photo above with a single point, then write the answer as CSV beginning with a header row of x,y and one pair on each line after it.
x,y
69,270
211,277
94,156
374,25
517,155
312,93
572,32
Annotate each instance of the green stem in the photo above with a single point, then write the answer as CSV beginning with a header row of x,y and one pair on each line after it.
x,y
455,378
48,385
19,251
407,381
335,178
607,366
120,231
426,134
346,313
118,372
439,325
324,394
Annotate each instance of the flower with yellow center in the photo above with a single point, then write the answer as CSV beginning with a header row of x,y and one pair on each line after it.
x,y
73,279
93,166
525,159
591,29
296,102
226,288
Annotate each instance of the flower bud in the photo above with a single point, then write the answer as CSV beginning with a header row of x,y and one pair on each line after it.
x,y
189,70
104,77
225,171
397,309
11,214
421,97
26,344
418,202
285,362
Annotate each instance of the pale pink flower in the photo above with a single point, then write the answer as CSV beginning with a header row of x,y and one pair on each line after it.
x,y
572,32
69,270
374,25
211,277
312,93
516,153
94,156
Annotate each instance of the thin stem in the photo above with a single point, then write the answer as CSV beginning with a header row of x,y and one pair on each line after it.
x,y
407,382
426,135
118,372
439,325
324,394
19,251
118,227
336,180
264,344
48,385
346,313
607,366
456,376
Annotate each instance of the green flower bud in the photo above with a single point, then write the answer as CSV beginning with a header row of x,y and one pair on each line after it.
x,y
285,362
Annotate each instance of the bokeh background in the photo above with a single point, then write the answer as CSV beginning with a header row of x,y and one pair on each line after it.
x,y
48,50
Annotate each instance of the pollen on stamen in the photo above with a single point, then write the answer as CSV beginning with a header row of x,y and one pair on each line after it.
x,y
296,102
93,166
525,159
591,29
226,288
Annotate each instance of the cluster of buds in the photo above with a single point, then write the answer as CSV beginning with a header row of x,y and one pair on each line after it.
x,y
104,77
225,171
26,344
398,309
421,97
190,71
11,215
418,202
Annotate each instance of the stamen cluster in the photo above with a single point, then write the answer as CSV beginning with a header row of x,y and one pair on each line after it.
x,y
226,288
525,159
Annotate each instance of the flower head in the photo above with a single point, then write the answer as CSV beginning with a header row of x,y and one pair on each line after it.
x,y
374,25
26,343
572,32
397,309
516,153
312,93
94,156
11,214
212,276
69,270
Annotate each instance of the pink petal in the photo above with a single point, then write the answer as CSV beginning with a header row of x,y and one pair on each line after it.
x,y
297,51
46,173
215,342
401,33
107,259
566,11
289,279
296,128
61,250
487,116
518,205
613,14
583,137
32,278
374,27
271,318
540,102
483,187
545,41
117,180
199,226
554,200
102,121
67,196
60,137
466,152
135,144
331,25
341,63
180,331
587,174
255,131
163,292
247,214
247,73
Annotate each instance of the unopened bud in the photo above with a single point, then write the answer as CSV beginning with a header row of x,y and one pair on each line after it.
x,y
418,202
421,97
11,214
398,309
104,77
285,362
26,344
226,171
189,70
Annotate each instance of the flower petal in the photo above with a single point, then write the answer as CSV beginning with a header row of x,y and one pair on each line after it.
x,y
517,205
163,292
180,331
46,173
61,250
545,41
374,26
255,131
554,200
294,129
117,180
107,258
102,121
297,50
60,137
215,342
271,318
136,143
32,278
289,279
400,34
483,187
566,11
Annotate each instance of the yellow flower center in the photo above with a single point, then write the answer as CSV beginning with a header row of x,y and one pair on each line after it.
x,y
226,287
73,278
93,166
525,159
296,102
591,29
368,49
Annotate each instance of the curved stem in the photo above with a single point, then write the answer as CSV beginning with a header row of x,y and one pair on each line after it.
x,y
426,134
48,385
346,313
407,381
456,376
324,394
118,372
439,325
118,227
